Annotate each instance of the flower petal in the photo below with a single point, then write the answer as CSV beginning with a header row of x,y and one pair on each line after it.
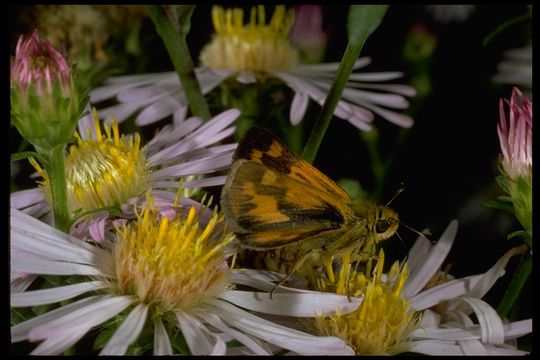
x,y
490,322
162,343
128,332
291,304
57,344
445,291
298,107
52,295
432,261
254,345
89,316
284,337
200,340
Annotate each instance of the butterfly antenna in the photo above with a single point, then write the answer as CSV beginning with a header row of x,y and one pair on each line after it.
x,y
424,234
398,191
400,239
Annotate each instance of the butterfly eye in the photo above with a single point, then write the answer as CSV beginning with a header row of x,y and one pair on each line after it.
x,y
382,226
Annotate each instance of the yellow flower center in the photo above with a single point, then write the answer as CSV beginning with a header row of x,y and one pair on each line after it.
x,y
255,46
383,320
172,263
105,171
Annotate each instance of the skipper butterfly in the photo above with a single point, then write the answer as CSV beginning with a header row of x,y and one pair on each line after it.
x,y
273,198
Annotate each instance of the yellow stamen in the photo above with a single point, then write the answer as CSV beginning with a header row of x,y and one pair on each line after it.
x,y
383,320
170,261
251,47
105,171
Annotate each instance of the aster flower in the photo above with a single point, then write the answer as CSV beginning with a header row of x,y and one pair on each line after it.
x,y
159,273
516,69
106,170
252,52
398,315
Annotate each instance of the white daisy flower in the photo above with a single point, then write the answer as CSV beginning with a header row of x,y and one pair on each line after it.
x,y
160,274
396,313
252,52
108,169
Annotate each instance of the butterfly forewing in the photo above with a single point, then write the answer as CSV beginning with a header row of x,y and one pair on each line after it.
x,y
270,208
261,146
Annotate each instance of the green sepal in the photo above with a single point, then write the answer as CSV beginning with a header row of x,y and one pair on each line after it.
x,y
500,205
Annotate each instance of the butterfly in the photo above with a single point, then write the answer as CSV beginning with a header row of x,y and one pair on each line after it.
x,y
274,198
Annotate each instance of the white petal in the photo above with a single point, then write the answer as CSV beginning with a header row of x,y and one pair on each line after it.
x,y
492,350
158,110
333,66
42,266
162,343
359,123
470,333
491,276
286,338
39,237
200,340
258,279
432,261
57,344
254,345
24,198
246,77
297,305
376,76
430,319
52,295
517,329
490,323
402,89
20,331
128,332
472,347
119,111
446,291
435,347
298,108
180,115
20,284
85,317
417,254
195,167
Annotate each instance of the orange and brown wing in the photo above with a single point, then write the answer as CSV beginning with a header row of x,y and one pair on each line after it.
x,y
268,208
261,146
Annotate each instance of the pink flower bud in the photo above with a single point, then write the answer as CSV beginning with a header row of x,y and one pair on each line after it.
x,y
515,135
37,63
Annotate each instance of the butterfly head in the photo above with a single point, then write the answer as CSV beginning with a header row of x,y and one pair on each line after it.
x,y
385,223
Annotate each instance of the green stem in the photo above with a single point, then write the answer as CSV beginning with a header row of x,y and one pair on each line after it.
x,y
514,289
174,38
54,162
323,120
505,25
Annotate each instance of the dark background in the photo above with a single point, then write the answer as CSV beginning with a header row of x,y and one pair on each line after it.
x,y
448,160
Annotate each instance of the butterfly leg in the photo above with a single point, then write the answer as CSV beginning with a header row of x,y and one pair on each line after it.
x,y
296,266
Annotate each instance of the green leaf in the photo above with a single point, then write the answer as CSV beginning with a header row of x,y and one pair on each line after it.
x,y
363,20
522,234
24,155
